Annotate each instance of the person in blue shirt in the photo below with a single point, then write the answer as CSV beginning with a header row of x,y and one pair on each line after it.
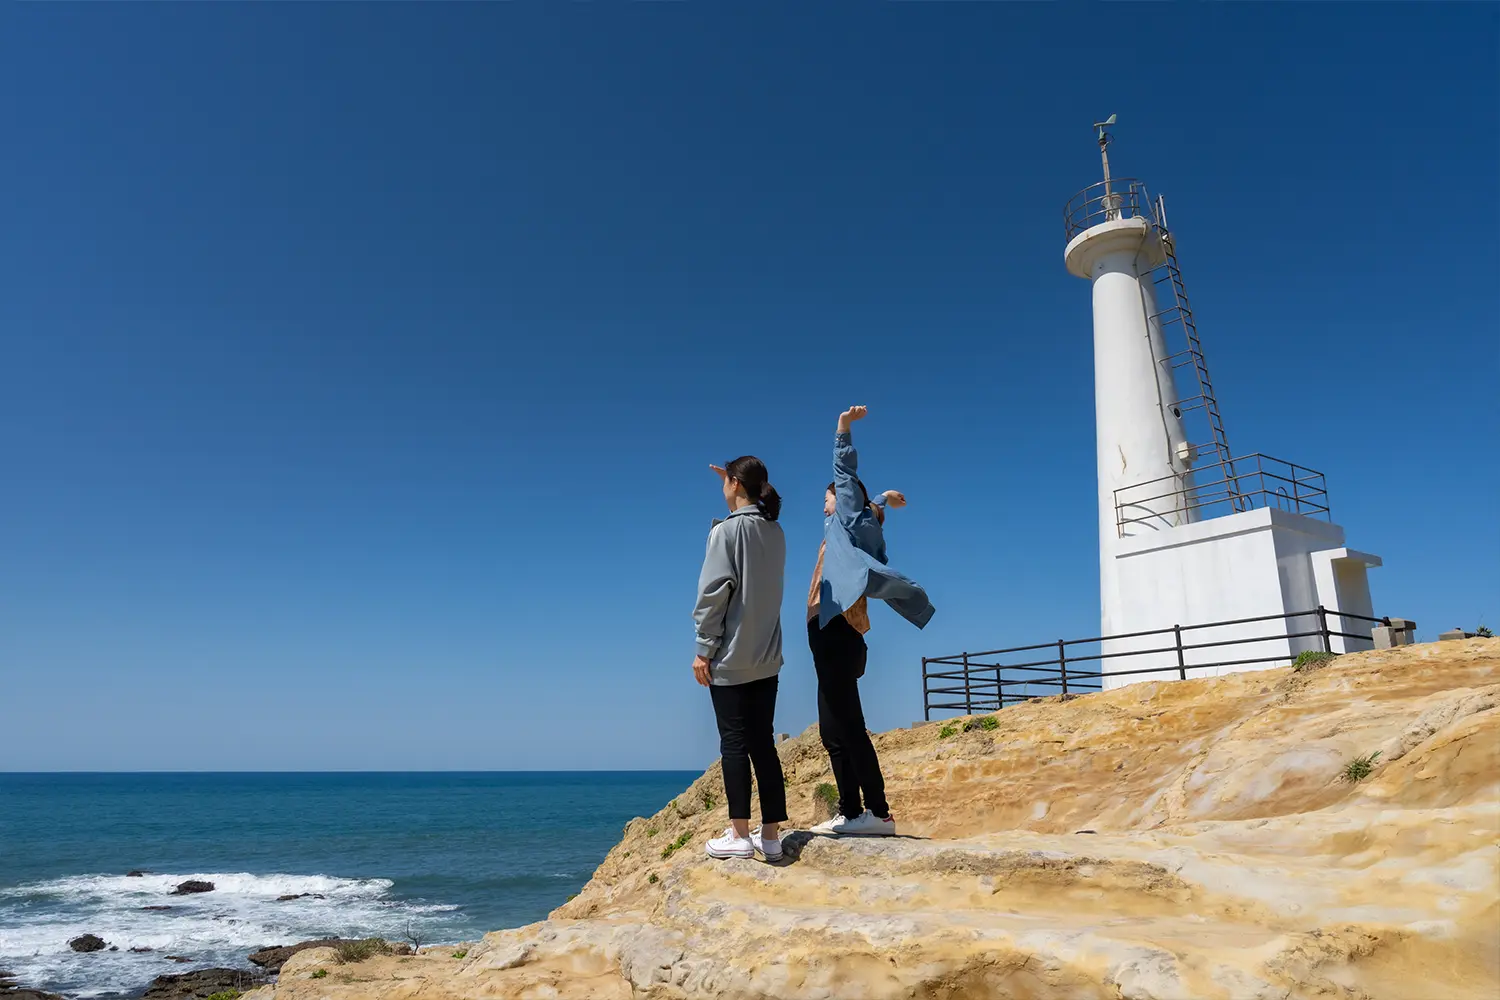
x,y
852,568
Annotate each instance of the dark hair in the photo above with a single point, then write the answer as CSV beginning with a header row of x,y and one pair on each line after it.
x,y
879,511
752,475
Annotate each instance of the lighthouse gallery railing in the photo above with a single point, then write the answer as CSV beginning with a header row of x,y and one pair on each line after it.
x,y
1109,201
1240,484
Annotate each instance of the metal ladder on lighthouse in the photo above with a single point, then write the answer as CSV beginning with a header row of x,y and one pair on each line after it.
x,y
1175,316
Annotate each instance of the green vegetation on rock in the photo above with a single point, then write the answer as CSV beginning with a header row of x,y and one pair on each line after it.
x,y
676,845
1359,768
1312,659
358,951
827,794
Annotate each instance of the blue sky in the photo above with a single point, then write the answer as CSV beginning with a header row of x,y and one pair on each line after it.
x,y
362,363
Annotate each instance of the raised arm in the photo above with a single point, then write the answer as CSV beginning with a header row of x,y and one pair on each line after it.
x,y
850,499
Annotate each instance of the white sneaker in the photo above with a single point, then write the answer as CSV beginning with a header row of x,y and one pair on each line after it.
x,y
731,845
829,827
771,849
866,824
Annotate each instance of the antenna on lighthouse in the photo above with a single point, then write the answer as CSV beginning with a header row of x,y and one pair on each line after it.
x,y
1111,204
1104,140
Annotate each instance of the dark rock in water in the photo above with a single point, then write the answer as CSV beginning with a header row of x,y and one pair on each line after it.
x,y
141,950
114,947
88,942
156,907
272,959
192,886
137,873
201,983
179,959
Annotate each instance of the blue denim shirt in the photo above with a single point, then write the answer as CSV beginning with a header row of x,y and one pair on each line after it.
x,y
854,560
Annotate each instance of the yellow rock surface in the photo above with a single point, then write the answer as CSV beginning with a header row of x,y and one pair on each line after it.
x,y
1178,840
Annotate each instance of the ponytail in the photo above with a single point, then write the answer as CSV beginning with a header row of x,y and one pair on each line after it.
x,y
751,474
769,502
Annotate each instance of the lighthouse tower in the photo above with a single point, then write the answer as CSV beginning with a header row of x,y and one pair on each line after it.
x,y
1189,534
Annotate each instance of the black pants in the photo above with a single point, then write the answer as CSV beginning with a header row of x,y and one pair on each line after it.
x,y
747,736
839,657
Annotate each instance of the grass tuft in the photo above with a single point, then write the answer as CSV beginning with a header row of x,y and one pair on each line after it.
x,y
708,801
1312,659
460,953
676,845
224,995
357,951
652,831
652,879
827,794
319,974
984,722
948,731
1360,768
1484,632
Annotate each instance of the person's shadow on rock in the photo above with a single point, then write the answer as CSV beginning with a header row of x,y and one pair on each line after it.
x,y
793,844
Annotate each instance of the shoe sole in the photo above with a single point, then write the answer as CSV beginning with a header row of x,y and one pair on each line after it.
x,y
773,857
726,855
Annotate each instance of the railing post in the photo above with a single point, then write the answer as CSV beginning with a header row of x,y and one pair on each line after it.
x,y
968,697
926,695
1181,664
1323,628
1062,664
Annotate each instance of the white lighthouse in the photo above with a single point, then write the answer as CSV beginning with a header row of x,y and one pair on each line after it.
x,y
1189,534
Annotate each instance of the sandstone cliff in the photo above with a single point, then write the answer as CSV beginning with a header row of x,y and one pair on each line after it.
x,y
1168,841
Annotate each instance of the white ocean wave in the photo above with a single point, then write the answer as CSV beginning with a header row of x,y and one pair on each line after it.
x,y
37,921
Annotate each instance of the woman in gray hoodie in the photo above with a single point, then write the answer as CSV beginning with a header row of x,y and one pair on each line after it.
x,y
738,620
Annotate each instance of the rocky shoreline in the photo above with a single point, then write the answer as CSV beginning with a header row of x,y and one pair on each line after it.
x,y
263,966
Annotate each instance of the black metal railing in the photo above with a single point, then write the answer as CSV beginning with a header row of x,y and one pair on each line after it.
x,y
983,684
1108,201
1229,487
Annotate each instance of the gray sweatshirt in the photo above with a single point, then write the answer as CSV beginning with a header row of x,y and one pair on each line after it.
x,y
739,598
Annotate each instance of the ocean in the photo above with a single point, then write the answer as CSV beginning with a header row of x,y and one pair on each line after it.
x,y
443,856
